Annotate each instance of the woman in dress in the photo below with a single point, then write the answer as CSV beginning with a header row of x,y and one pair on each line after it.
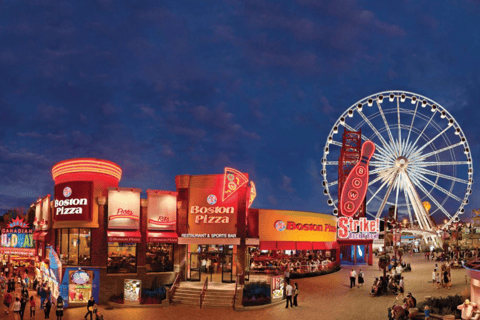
x,y
360,278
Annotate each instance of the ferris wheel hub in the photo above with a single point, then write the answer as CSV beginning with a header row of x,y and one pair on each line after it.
x,y
401,162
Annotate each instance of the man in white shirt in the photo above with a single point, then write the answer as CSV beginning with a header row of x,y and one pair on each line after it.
x,y
398,271
289,290
353,276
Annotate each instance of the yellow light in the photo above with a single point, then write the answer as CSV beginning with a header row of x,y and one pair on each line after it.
x,y
427,206
87,165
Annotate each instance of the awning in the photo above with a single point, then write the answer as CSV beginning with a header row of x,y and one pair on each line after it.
x,y
162,237
224,241
286,245
303,245
268,245
124,236
39,235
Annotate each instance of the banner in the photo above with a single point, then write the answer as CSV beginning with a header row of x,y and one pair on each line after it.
x,y
161,211
123,209
73,201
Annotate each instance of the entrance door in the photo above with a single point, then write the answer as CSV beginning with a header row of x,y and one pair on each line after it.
x,y
227,268
195,264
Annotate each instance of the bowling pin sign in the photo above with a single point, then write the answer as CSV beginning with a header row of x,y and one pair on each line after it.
x,y
356,185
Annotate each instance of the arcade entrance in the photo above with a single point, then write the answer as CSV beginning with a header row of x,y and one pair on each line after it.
x,y
213,261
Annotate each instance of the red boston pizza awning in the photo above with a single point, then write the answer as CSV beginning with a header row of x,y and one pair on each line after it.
x,y
124,236
162,237
304,245
39,235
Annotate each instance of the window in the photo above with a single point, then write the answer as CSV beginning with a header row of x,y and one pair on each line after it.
x,y
74,246
159,257
122,257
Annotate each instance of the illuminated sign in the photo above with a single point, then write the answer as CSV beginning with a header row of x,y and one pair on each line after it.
x,y
233,180
132,289
123,209
73,201
253,194
17,235
45,212
356,184
162,210
349,228
80,277
210,212
283,225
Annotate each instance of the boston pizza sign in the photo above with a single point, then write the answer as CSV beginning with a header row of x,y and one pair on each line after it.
x,y
73,201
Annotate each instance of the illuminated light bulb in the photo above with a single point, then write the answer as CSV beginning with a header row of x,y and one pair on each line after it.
x,y
370,102
434,107
457,131
403,97
424,103
450,122
414,100
380,98
350,113
443,115
359,107
391,97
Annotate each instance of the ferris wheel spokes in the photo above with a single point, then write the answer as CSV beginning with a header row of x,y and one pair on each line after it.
x,y
419,210
440,175
425,156
409,152
385,199
411,125
386,125
416,153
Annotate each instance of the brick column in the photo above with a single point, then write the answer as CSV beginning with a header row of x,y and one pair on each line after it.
x,y
142,247
98,242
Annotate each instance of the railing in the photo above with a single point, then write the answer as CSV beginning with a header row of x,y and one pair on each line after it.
x,y
235,295
176,284
204,291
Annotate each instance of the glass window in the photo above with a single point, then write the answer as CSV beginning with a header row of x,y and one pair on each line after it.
x,y
84,247
122,257
74,246
159,257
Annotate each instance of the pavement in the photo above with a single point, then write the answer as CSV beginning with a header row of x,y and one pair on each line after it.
x,y
326,297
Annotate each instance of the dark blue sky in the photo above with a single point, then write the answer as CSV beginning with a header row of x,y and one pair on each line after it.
x,y
188,87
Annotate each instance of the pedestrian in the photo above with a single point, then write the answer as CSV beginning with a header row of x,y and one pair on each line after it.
x,y
434,279
427,313
437,278
25,293
287,275
91,304
401,288
16,309
289,291
295,297
47,307
23,304
7,300
59,310
446,280
360,278
43,295
32,307
353,275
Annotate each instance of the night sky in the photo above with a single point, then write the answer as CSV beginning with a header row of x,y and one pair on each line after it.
x,y
188,87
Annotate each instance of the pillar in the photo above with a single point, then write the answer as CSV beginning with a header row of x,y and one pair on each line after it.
x,y
370,254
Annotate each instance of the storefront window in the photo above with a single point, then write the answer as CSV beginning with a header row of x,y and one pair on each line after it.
x,y
122,257
159,257
74,246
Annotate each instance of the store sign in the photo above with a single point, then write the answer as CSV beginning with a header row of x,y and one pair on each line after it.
x,y
123,209
132,289
80,277
80,284
45,213
282,225
73,201
349,228
161,211
17,235
208,214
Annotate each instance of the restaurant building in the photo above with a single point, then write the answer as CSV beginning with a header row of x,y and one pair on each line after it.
x,y
98,239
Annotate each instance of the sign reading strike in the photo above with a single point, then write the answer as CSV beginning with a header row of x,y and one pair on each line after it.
x,y
210,212
349,228
17,235
73,201
123,209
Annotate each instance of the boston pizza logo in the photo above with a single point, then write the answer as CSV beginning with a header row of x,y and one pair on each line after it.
x,y
67,192
280,225
212,199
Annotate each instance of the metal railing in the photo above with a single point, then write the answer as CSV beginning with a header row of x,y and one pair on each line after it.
x,y
237,280
204,291
175,284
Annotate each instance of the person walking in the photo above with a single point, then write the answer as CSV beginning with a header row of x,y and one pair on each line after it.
x,y
437,278
353,276
59,310
360,278
434,279
32,307
295,297
287,275
401,288
91,304
23,304
43,296
446,280
16,309
47,307
7,300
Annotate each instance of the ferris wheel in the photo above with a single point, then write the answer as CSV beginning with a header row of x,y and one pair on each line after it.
x,y
422,164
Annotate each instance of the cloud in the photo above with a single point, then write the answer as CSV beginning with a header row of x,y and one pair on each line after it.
x,y
273,201
31,134
287,184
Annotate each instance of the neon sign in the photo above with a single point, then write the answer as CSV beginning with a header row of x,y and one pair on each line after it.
x,y
17,235
349,228
233,180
